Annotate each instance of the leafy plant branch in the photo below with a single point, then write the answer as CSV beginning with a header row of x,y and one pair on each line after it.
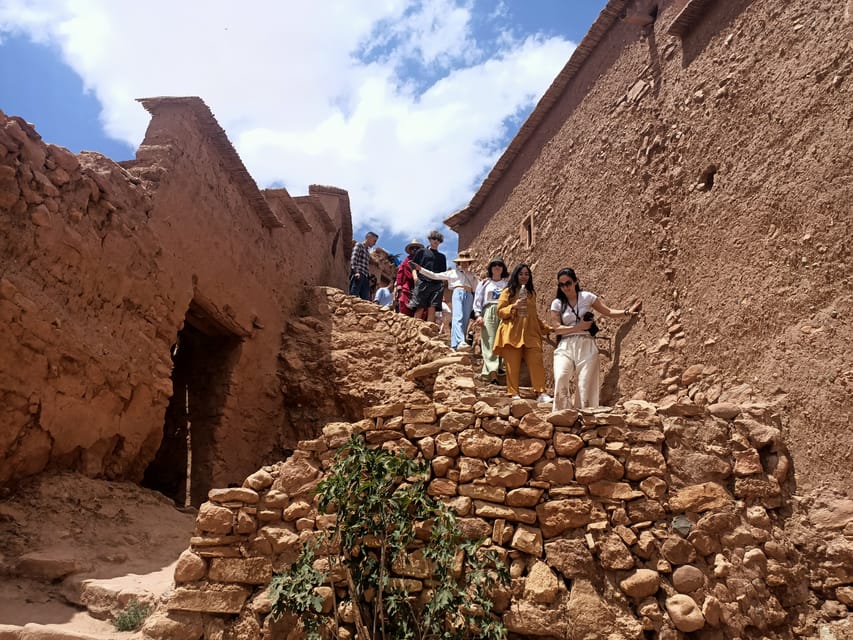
x,y
381,503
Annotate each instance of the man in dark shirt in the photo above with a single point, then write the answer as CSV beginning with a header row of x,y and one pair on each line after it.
x,y
428,292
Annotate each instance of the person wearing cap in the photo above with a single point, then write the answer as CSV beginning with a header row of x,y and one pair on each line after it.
x,y
426,296
359,267
462,283
486,312
405,280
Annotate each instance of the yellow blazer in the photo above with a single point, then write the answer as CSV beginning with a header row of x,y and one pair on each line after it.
x,y
518,332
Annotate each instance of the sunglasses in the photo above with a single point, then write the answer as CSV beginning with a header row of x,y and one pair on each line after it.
x,y
567,283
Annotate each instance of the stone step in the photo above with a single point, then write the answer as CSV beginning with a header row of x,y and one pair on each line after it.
x,y
79,608
79,625
106,598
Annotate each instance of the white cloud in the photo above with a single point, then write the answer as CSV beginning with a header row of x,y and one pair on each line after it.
x,y
401,102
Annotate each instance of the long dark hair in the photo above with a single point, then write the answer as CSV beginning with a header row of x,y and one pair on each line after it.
x,y
571,274
513,280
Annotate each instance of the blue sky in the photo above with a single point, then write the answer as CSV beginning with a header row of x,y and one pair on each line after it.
x,y
407,104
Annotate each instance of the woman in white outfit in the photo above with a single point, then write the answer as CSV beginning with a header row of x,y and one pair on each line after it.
x,y
576,356
486,311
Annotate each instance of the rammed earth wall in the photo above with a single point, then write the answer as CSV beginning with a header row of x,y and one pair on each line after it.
x,y
102,268
696,154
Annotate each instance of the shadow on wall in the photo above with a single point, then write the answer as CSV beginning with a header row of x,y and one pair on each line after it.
x,y
610,385
310,396
345,354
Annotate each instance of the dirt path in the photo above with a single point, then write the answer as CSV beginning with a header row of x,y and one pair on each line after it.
x,y
75,551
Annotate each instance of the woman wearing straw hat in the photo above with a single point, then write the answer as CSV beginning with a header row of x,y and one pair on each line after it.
x,y
463,283
405,282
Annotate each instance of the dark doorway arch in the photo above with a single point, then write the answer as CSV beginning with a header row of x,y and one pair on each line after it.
x,y
203,360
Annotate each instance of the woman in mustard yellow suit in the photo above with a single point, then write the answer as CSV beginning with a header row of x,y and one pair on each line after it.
x,y
520,333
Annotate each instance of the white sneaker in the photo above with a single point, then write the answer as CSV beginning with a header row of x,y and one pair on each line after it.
x,y
516,397
544,397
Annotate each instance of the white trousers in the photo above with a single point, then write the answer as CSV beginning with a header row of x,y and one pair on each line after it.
x,y
576,372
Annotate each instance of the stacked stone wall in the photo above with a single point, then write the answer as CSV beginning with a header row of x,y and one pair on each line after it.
x,y
344,353
640,521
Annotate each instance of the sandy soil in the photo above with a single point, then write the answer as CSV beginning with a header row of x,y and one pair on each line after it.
x,y
74,551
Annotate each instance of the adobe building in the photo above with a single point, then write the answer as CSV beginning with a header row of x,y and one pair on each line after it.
x,y
697,154
140,297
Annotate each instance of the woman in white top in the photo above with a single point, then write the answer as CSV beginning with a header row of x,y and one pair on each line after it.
x,y
462,283
576,356
486,311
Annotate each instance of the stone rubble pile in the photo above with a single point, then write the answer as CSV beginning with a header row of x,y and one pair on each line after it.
x,y
630,522
368,354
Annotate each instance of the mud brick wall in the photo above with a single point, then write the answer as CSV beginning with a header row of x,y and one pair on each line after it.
x,y
703,167
105,267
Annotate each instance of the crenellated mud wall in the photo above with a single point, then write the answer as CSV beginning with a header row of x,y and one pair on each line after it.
x,y
697,155
139,298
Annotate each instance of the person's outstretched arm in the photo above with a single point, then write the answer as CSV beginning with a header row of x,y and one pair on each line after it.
x,y
444,275
604,310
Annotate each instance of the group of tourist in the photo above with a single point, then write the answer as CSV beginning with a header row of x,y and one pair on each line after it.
x,y
504,306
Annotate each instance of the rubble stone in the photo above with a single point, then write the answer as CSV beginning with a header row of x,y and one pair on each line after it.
x,y
541,585
685,613
640,584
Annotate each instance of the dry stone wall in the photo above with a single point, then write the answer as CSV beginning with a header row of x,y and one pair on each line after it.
x,y
708,174
105,267
662,521
344,353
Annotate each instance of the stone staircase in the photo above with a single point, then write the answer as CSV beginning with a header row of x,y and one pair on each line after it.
x,y
642,521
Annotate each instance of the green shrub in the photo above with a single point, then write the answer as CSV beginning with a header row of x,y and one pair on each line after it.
x,y
132,616
379,497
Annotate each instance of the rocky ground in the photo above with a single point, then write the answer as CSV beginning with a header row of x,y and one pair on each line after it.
x,y
75,551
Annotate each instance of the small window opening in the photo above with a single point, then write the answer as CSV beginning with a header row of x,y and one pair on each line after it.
x,y
527,231
641,14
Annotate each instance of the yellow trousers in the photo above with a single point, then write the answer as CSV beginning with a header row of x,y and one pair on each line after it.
x,y
512,361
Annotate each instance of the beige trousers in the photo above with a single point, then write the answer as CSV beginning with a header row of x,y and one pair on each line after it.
x,y
491,360
576,372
